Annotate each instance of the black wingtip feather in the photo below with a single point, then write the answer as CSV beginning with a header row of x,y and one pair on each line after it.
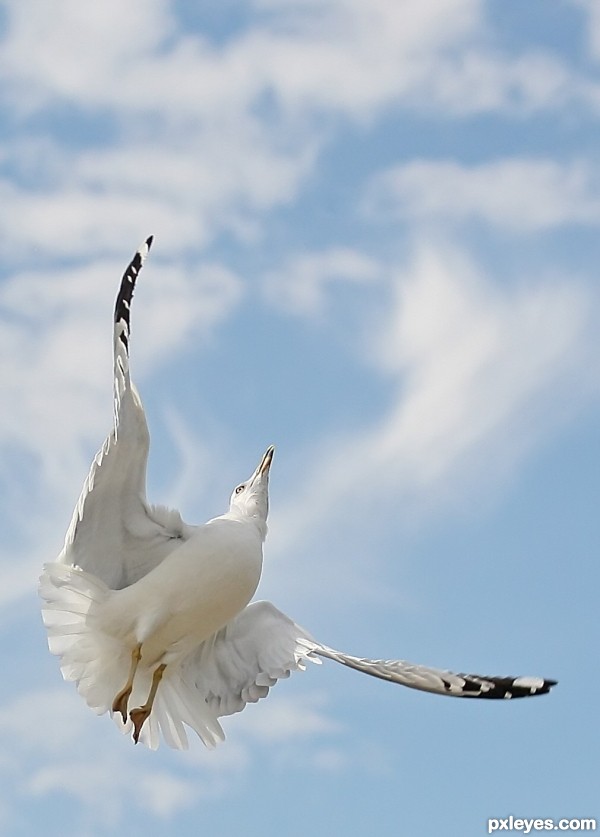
x,y
509,687
125,295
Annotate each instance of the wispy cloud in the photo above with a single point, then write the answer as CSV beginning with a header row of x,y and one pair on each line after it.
x,y
474,81
517,194
52,756
478,374
66,752
197,138
301,286
592,30
331,54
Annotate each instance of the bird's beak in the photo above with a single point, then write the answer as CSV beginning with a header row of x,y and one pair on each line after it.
x,y
265,464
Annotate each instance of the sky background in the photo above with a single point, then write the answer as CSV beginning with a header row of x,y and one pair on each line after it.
x,y
376,246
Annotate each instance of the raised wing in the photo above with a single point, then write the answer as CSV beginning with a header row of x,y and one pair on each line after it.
x,y
240,663
436,680
114,533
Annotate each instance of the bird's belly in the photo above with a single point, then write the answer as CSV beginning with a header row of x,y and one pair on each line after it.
x,y
195,615
186,599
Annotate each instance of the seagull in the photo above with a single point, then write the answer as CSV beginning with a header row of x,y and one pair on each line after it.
x,y
152,617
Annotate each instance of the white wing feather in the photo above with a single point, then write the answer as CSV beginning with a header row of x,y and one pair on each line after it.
x,y
114,533
240,663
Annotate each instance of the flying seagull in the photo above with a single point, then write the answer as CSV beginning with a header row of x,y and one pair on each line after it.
x,y
151,616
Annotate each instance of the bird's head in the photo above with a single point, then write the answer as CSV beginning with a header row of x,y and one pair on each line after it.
x,y
250,499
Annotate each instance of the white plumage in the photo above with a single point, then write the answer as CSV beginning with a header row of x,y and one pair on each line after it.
x,y
146,611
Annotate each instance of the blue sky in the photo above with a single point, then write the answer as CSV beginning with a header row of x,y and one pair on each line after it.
x,y
377,248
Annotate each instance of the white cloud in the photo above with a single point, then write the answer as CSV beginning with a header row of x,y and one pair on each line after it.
x,y
333,57
203,138
107,787
76,53
479,374
477,81
97,202
53,745
19,577
200,138
338,53
338,56
300,285
517,194
354,58
474,361
592,11
290,720
80,222
56,746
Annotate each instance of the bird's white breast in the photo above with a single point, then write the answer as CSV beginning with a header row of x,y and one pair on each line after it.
x,y
193,593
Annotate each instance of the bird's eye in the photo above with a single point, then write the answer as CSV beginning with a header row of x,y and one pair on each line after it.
x,y
239,489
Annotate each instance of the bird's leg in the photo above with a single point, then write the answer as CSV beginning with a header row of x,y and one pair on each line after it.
x,y
121,700
139,716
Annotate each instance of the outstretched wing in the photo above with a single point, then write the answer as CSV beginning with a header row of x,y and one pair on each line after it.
x,y
114,533
435,680
240,663
262,645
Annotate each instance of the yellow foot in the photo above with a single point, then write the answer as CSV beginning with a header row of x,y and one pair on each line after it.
x,y
139,716
120,702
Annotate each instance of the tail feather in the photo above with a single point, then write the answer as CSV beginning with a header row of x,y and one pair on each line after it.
x,y
181,701
171,727
99,663
95,661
